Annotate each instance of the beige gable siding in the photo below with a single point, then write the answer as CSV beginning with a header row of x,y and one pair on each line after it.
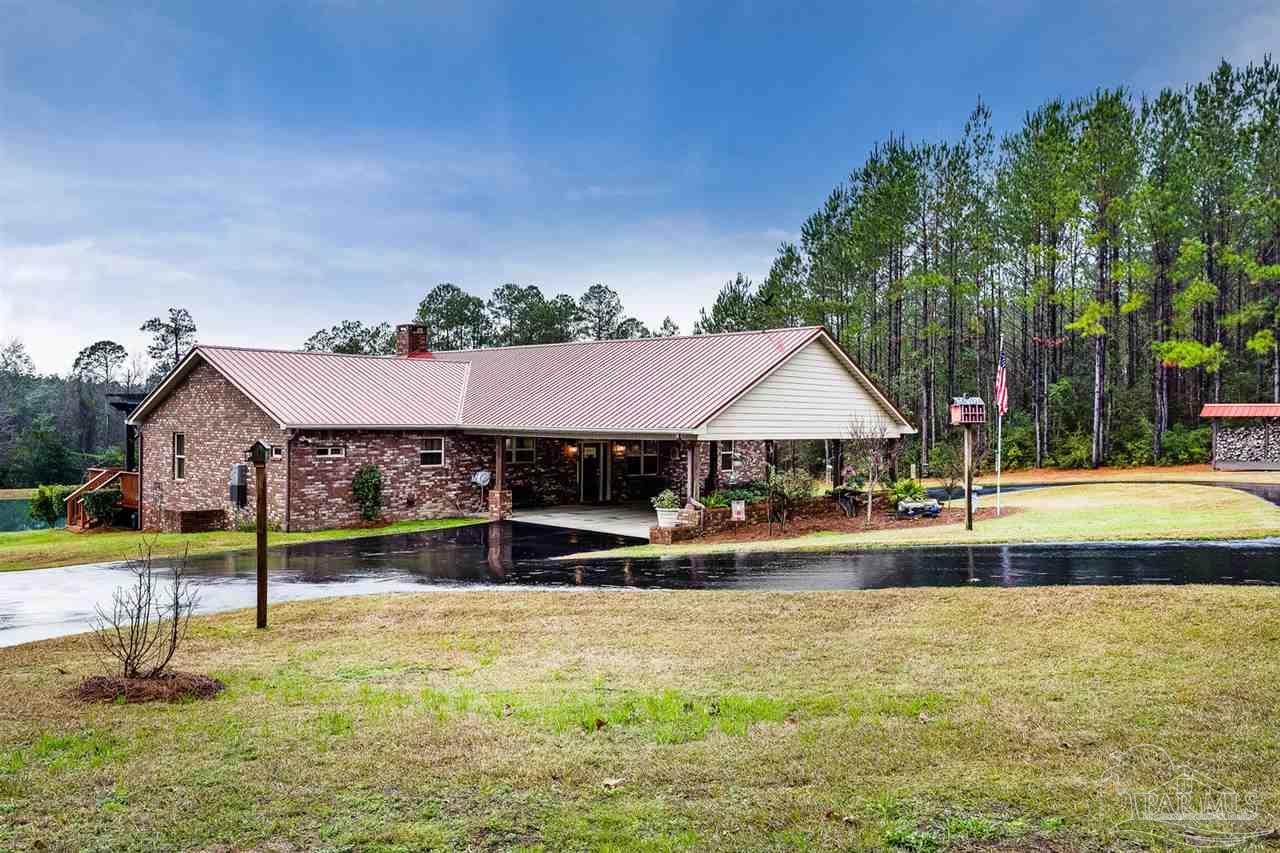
x,y
812,395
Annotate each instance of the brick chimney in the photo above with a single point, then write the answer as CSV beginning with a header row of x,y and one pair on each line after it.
x,y
411,339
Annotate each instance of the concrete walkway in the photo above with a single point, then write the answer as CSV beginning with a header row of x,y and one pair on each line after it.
x,y
633,519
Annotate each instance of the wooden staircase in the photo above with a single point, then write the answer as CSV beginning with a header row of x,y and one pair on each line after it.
x,y
99,478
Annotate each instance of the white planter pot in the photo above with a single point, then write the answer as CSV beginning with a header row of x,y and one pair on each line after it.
x,y
667,517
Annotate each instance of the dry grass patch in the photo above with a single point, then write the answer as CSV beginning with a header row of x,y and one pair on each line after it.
x,y
910,718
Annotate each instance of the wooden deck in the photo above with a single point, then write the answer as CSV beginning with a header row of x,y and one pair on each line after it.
x,y
78,518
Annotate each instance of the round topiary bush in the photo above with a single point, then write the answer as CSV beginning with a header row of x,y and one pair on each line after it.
x,y
367,488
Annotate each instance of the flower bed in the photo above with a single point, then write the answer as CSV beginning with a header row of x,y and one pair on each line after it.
x,y
821,514
719,519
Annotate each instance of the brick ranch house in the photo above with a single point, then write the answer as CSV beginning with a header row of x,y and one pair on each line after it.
x,y
593,422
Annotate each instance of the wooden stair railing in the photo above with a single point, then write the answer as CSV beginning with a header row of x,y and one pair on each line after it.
x,y
98,478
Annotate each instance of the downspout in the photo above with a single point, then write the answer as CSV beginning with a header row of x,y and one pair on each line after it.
x,y
288,480
141,502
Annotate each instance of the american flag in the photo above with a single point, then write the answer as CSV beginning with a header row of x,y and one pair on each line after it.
x,y
1002,386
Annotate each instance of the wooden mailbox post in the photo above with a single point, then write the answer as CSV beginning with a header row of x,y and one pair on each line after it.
x,y
968,412
258,455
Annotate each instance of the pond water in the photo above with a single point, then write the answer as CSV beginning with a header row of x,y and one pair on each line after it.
x,y
15,515
512,555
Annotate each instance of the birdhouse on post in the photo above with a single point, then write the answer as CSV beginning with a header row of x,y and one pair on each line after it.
x,y
966,413
259,454
968,410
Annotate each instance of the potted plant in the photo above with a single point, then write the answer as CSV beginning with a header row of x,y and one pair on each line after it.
x,y
668,505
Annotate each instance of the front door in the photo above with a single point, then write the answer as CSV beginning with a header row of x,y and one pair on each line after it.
x,y
592,480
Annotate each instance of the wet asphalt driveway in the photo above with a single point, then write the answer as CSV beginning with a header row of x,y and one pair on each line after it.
x,y
513,555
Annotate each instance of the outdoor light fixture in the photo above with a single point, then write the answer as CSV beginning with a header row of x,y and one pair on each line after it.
x,y
571,449
619,449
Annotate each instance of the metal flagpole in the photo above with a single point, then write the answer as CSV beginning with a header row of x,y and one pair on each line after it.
x,y
999,433
999,440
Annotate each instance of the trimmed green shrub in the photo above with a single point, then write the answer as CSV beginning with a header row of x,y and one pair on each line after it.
x,y
366,486
50,503
101,505
907,490
749,492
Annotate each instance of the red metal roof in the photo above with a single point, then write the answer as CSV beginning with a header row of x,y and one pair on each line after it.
x,y
669,384
1240,410
314,389
647,385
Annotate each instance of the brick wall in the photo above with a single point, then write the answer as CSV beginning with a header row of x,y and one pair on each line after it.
x,y
219,423
320,493
321,490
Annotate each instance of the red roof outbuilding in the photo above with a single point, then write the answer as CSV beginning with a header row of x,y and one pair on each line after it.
x,y
1240,410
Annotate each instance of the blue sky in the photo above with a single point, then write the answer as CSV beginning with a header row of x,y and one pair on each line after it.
x,y
278,167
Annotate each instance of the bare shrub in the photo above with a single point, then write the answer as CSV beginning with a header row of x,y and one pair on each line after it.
x,y
872,447
147,620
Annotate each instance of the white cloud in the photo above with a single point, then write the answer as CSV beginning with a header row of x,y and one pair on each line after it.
x,y
265,243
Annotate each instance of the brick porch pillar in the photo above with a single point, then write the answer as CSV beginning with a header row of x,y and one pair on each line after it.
x,y
499,495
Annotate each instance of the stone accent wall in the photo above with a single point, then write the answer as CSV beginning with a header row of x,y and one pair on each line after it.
x,y
1259,443
499,504
751,463
552,478
219,423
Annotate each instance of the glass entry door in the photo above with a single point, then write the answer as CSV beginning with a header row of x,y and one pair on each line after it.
x,y
591,478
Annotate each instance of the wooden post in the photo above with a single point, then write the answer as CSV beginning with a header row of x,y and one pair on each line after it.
x,y
968,478
260,470
1213,446
499,462
689,469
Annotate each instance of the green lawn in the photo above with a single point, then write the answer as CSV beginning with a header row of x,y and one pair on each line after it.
x,y
1101,512
897,719
38,549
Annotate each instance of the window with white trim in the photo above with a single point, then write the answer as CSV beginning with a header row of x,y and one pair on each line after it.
x,y
331,452
642,458
179,456
432,453
277,452
521,449
728,459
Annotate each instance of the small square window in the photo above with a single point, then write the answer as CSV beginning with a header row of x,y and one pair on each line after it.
x,y
277,452
521,449
728,459
432,453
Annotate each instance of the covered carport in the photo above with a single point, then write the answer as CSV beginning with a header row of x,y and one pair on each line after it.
x,y
626,519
